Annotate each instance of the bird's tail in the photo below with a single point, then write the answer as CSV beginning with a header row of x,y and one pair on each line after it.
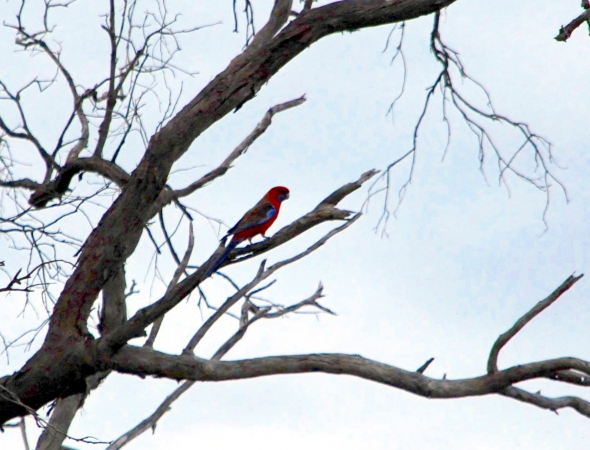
x,y
232,244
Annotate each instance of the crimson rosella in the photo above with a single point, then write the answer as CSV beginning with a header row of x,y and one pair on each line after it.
x,y
254,222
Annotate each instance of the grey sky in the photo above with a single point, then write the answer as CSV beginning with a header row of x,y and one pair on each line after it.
x,y
462,261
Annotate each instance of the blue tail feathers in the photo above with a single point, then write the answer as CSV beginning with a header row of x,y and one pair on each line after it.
x,y
232,244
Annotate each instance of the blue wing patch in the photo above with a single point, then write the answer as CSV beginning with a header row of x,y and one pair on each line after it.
x,y
256,216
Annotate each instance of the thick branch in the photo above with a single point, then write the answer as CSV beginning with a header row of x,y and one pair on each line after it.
x,y
119,231
114,303
142,361
112,314
57,187
117,235
245,76
63,414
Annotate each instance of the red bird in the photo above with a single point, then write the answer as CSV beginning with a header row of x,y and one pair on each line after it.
x,y
254,222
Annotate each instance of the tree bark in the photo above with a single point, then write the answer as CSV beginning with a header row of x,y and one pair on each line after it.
x,y
69,353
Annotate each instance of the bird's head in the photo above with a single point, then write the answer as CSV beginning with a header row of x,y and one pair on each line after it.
x,y
279,193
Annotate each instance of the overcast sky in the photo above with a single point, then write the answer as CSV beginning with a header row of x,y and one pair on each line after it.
x,y
462,260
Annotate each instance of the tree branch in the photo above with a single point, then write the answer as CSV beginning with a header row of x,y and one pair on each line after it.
x,y
103,130
242,148
145,316
278,17
118,233
142,361
530,315
566,32
552,404
177,274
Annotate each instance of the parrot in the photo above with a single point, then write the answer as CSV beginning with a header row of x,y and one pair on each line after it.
x,y
256,221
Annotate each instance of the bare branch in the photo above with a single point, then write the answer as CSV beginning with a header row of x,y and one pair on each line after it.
x,y
27,134
175,278
62,414
64,409
142,361
27,41
235,154
530,315
18,280
278,17
25,183
238,335
151,421
57,187
424,366
566,32
325,211
111,92
478,120
311,301
261,275
23,432
570,377
114,303
552,404
6,394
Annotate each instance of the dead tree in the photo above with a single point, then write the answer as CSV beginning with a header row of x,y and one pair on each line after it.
x,y
74,358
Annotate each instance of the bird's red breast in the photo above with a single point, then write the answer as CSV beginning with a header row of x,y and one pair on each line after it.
x,y
261,216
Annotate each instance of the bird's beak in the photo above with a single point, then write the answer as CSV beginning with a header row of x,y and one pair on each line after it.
x,y
285,197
